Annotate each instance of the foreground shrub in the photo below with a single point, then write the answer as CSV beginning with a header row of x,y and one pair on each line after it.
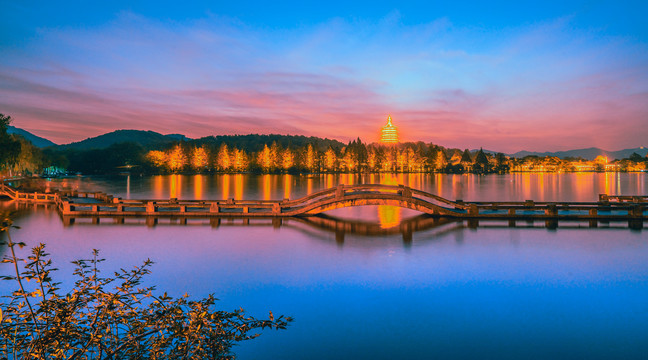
x,y
111,317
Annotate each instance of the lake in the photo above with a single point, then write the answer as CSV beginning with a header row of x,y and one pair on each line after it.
x,y
359,286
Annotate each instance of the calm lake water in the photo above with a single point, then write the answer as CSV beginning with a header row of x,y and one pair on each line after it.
x,y
446,291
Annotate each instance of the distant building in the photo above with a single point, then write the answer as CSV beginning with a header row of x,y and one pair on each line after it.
x,y
389,133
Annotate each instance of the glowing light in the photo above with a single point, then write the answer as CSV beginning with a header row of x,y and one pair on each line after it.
x,y
389,216
198,187
389,133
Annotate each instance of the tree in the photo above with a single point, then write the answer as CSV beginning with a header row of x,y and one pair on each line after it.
x,y
330,160
157,158
465,157
111,317
29,159
310,158
199,158
176,158
636,157
481,165
9,147
288,159
223,159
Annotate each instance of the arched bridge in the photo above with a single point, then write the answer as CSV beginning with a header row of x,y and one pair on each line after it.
x,y
371,194
86,204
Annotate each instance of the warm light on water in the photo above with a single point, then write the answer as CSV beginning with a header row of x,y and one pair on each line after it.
x,y
384,285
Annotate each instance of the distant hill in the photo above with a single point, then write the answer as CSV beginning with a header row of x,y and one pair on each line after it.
x,y
151,139
144,138
255,142
35,140
589,153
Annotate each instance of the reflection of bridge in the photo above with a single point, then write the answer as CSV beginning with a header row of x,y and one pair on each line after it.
x,y
80,204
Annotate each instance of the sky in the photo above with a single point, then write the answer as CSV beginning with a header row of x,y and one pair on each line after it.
x,y
502,75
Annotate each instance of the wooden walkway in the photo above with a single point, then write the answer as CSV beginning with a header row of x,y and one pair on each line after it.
x,y
85,204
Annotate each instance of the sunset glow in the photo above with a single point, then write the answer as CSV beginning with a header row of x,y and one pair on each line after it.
x,y
505,77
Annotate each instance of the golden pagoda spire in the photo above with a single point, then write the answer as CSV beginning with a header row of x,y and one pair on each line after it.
x,y
389,133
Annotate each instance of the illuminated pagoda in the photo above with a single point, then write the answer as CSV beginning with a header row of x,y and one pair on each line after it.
x,y
389,133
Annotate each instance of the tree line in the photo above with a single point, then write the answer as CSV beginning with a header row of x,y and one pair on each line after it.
x,y
279,154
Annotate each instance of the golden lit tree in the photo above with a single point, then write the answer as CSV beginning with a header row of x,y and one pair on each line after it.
x,y
441,160
264,159
372,159
349,161
288,159
275,152
223,158
330,159
157,158
176,158
239,160
390,160
199,158
310,158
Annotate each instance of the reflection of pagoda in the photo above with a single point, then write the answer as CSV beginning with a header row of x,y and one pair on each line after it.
x,y
389,133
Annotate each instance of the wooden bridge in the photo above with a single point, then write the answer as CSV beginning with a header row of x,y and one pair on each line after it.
x,y
87,204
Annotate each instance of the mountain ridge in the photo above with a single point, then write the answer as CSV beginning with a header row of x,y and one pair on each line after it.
x,y
36,140
148,138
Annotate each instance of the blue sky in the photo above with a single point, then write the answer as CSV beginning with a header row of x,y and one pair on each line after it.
x,y
503,75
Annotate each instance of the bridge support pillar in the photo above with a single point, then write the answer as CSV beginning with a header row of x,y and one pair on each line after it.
x,y
67,209
635,224
151,221
68,220
473,210
183,208
529,203
339,191
120,207
213,208
339,237
95,208
511,214
593,222
276,208
551,224
551,210
150,207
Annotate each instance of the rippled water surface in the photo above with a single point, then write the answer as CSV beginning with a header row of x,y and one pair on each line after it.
x,y
368,290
